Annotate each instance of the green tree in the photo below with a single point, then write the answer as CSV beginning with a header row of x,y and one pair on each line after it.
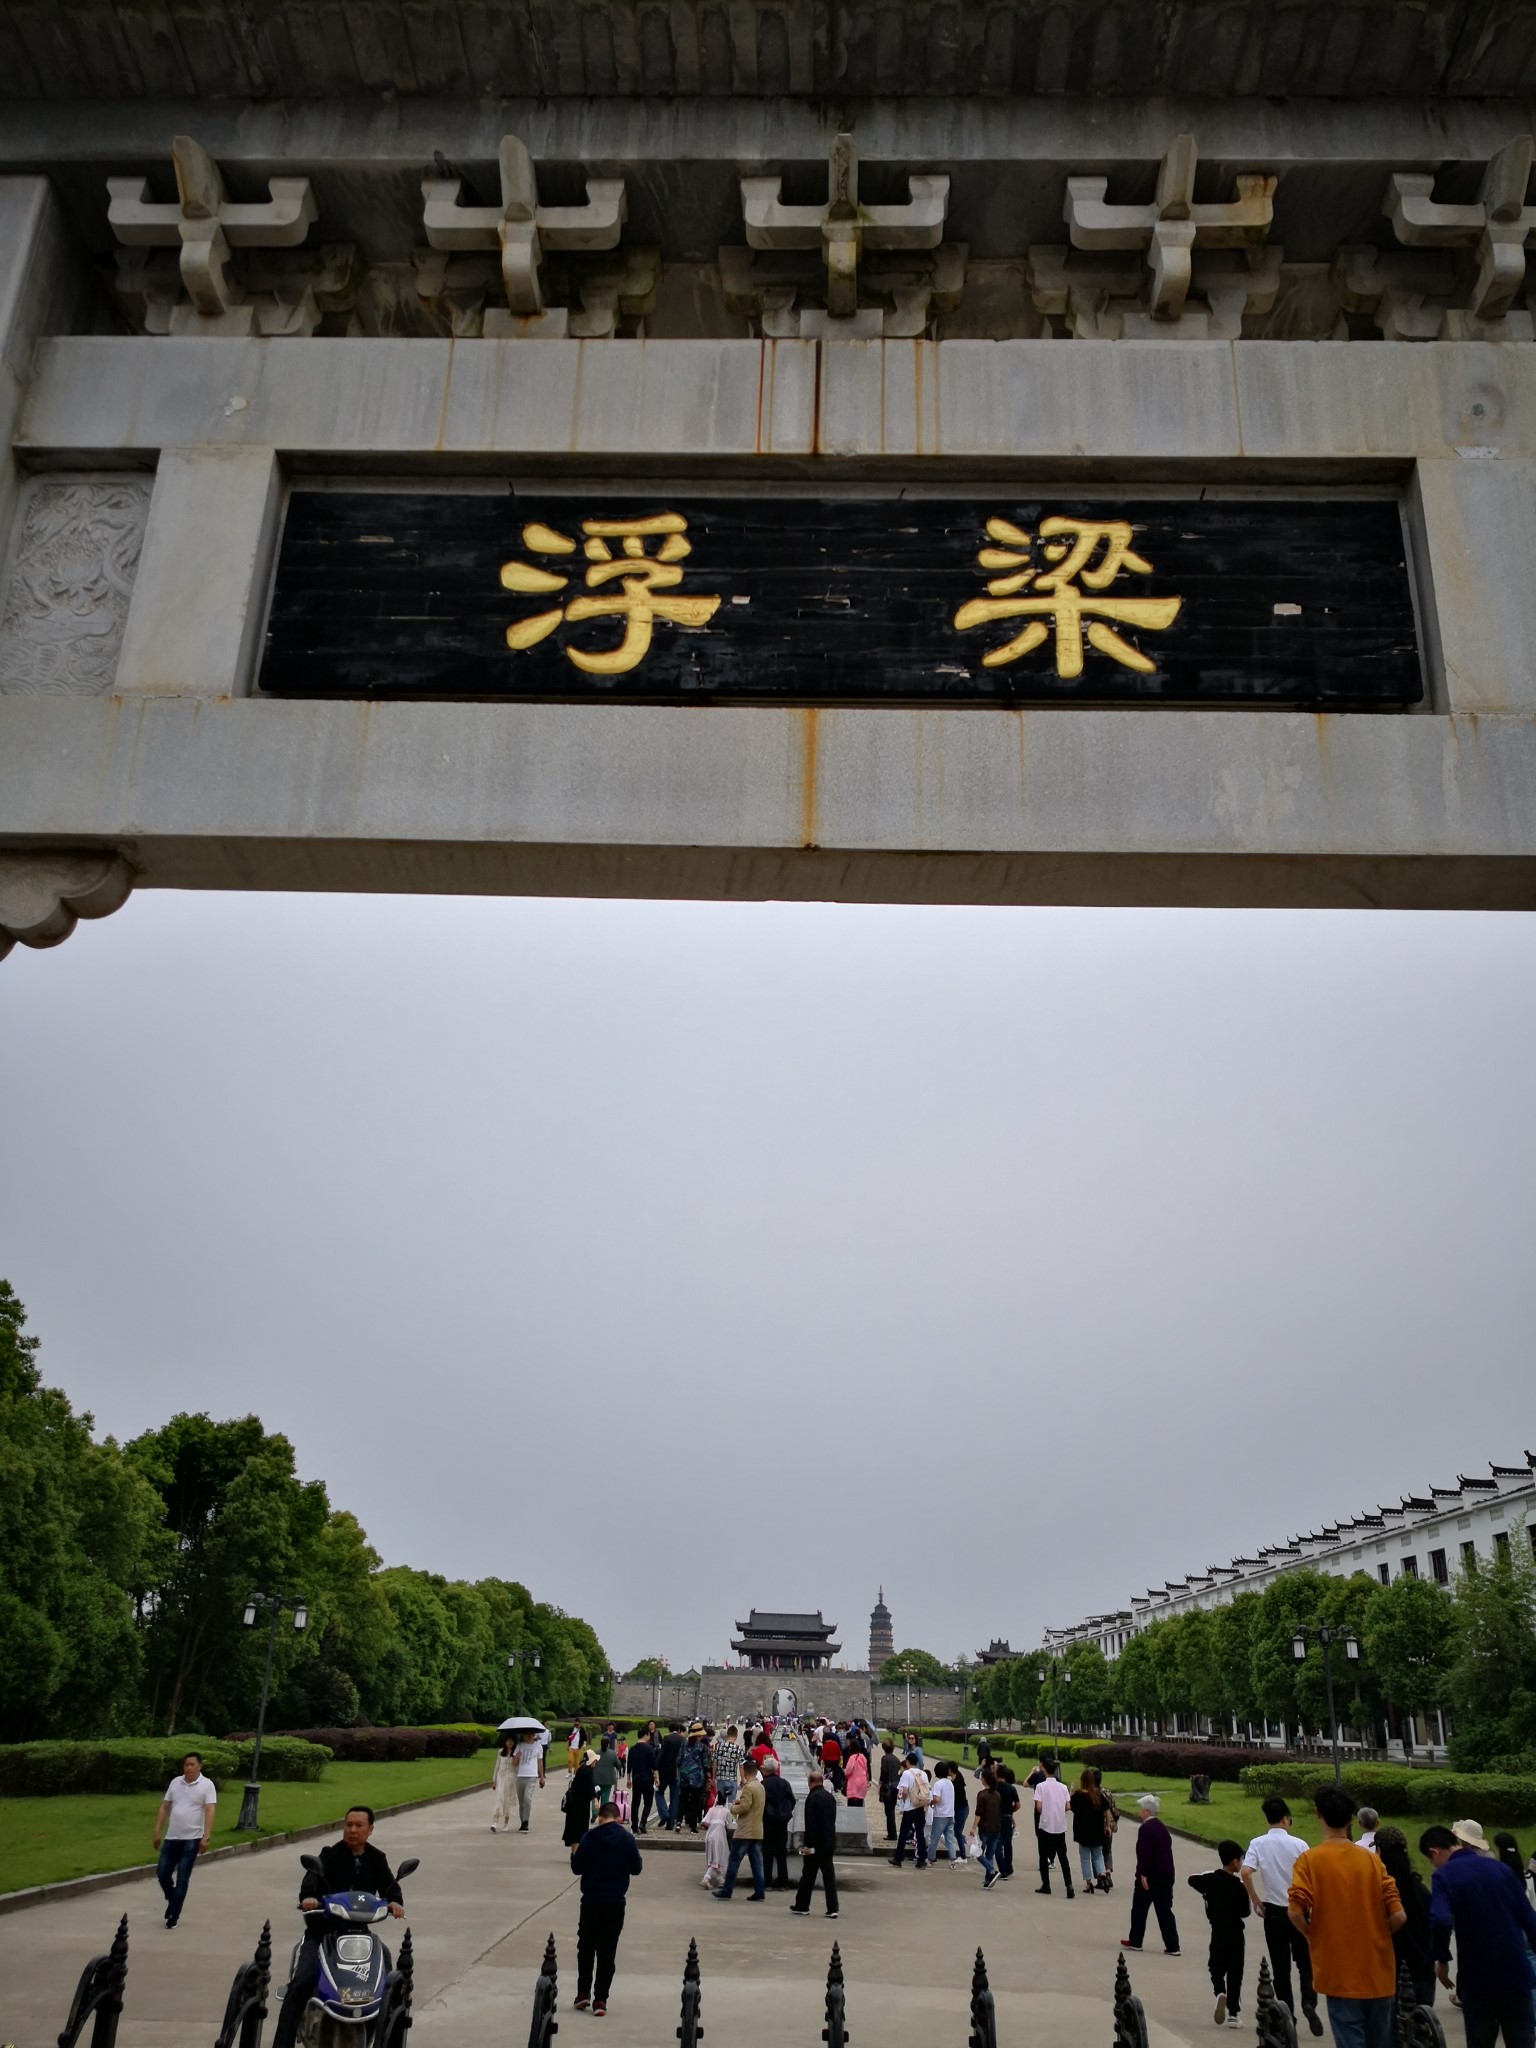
x,y
1089,1701
1408,1637
1283,1689
926,1669
76,1522
1233,1625
648,1670
238,1520
1492,1679
1136,1688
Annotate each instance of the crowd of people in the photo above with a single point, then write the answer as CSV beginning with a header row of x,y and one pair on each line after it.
x,y
1337,1920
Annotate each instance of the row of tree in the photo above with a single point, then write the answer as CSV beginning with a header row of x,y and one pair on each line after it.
x,y
125,1568
1468,1650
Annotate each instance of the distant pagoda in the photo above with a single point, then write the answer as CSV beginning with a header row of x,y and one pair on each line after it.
x,y
999,1653
785,1642
882,1639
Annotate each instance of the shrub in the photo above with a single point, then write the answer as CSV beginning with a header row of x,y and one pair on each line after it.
x,y
1492,1798
377,1745
143,1763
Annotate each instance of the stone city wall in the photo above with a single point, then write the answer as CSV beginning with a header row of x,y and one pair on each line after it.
x,y
732,1690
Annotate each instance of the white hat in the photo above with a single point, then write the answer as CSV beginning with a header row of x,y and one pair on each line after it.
x,y
1470,1832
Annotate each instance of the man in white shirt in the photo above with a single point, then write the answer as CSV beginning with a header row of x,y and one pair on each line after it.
x,y
941,1806
185,1820
1266,1874
1368,1818
912,1796
530,1772
1052,1805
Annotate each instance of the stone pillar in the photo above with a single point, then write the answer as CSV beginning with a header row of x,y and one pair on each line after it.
x,y
200,599
40,285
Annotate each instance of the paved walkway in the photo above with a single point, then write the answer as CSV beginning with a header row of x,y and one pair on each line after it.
x,y
482,1905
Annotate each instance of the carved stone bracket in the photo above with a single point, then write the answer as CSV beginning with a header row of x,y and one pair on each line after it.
x,y
901,295
43,895
520,228
206,226
1466,264
842,230
463,294
1106,298
1166,235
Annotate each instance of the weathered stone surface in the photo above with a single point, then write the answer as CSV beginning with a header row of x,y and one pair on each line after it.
x,y
944,806
73,559
200,594
43,895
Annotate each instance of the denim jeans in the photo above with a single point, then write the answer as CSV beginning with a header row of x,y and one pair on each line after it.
x,y
914,1828
1361,2022
174,1871
1090,1861
666,1802
753,1851
942,1831
988,1853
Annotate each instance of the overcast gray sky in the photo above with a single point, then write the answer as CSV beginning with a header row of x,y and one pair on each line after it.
x,y
677,1258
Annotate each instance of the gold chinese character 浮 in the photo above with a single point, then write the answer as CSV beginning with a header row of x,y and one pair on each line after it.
x,y
1070,554
640,577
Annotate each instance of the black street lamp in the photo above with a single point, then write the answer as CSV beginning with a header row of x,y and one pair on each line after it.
x,y
516,1660
1055,1664
273,1604
1327,1637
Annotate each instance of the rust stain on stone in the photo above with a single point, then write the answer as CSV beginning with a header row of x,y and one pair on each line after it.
x,y
809,717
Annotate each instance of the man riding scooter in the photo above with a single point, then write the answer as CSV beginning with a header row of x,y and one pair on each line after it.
x,y
350,1865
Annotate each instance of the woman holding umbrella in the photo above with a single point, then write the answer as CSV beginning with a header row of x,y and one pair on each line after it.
x,y
519,1768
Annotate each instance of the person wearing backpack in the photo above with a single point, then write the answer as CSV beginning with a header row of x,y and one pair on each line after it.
x,y
912,1799
692,1776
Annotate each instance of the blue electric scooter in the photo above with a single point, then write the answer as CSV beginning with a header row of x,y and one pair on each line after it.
x,y
354,1966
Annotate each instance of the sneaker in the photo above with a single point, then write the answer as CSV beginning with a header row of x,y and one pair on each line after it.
x,y
988,1881
722,1898
1126,1943
803,1911
1174,1952
523,1829
831,1916
1221,2009
1233,2020
599,2010
582,2004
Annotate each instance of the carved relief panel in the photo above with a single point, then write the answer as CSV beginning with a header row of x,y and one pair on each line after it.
x,y
74,554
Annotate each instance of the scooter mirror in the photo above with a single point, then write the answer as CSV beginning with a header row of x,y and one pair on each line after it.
x,y
411,1863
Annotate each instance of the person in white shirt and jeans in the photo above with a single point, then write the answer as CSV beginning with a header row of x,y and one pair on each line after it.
x,y
941,1808
1053,1804
912,1797
1270,1859
530,1772
185,1820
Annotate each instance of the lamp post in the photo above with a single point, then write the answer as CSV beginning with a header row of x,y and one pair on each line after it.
x,y
908,1670
1055,1664
516,1661
273,1604
1327,1637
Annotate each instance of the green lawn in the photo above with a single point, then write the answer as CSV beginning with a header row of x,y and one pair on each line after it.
x,y
44,1840
1233,1814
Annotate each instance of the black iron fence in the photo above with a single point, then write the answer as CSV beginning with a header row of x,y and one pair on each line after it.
x,y
99,1997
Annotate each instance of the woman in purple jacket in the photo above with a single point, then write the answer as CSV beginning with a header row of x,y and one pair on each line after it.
x,y
1154,1879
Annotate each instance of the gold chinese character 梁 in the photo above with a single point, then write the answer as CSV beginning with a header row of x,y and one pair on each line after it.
x,y
640,576
1070,552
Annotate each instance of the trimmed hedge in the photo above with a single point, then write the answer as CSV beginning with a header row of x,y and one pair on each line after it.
x,y
146,1763
383,1745
1494,1799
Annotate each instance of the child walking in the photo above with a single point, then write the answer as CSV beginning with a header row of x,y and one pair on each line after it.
x,y
716,1844
1226,1908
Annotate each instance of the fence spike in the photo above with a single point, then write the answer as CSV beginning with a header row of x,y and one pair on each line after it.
x,y
690,2026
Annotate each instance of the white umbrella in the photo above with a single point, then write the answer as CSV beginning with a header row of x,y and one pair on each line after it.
x,y
519,1722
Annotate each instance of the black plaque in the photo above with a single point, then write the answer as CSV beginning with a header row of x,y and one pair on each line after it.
x,y
844,600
